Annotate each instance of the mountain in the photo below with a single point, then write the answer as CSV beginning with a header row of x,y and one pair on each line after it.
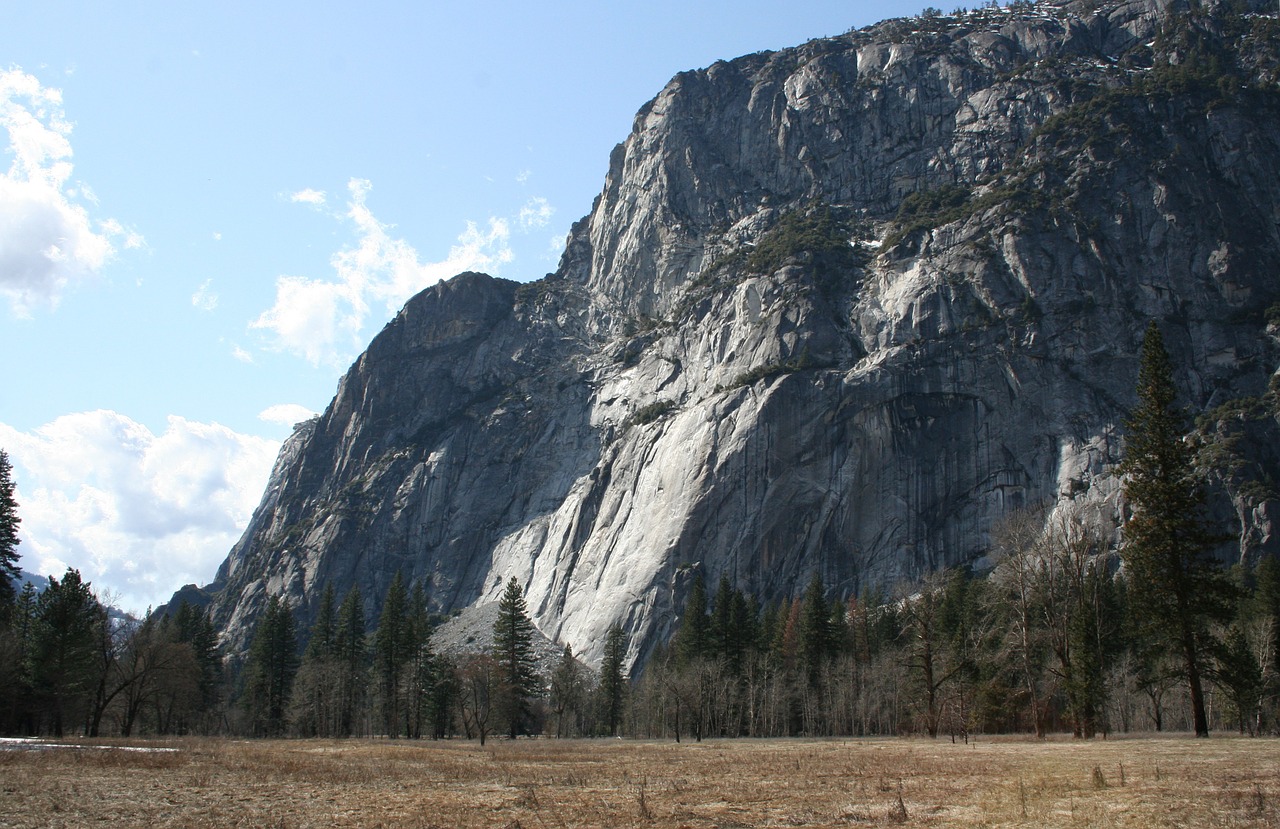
x,y
838,308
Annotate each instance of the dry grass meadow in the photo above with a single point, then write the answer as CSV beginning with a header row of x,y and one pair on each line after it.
x,y
541,784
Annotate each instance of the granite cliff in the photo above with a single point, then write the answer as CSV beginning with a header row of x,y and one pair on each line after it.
x,y
838,308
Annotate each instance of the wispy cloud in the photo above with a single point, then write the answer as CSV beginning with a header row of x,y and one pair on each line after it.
x,y
556,245
323,320
537,212
308,196
204,298
285,414
48,240
136,512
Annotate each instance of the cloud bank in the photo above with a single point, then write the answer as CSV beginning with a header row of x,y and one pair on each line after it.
x,y
323,320
139,514
48,240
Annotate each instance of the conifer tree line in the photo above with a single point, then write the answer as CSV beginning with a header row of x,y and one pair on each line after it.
x,y
1065,631
1050,641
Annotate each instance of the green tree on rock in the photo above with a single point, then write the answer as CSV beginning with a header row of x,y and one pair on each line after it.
x,y
1176,590
517,665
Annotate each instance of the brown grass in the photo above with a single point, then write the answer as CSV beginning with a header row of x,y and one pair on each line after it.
x,y
547,784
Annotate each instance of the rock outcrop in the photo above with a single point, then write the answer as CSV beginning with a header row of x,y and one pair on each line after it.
x,y
838,308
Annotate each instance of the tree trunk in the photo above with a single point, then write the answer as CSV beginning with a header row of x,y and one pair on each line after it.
x,y
1197,692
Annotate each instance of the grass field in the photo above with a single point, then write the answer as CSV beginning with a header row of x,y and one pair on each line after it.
x,y
540,784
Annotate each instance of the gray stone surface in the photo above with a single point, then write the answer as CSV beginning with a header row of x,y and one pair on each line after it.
x,y
643,411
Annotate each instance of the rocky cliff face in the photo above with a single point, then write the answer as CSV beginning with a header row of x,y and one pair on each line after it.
x,y
838,308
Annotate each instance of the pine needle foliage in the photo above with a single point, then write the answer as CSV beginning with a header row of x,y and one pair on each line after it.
x,y
1176,590
513,651
9,522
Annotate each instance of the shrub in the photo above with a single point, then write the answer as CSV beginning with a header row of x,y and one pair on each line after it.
x,y
650,413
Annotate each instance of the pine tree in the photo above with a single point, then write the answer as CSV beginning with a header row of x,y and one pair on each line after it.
x,y
613,684
270,669
815,631
693,642
1175,589
1240,676
351,654
192,628
391,647
313,704
15,664
324,630
721,632
513,652
64,644
9,541
24,627
420,670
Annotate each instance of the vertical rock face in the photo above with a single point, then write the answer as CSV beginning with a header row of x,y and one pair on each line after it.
x,y
837,308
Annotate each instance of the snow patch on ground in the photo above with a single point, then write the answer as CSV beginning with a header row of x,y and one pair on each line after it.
x,y
37,744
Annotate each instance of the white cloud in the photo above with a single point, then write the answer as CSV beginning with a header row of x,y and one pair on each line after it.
x,y
523,176
537,212
556,246
308,196
286,414
322,320
139,514
241,354
204,298
48,240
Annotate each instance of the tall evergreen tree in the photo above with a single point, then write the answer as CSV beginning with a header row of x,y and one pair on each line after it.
x,y
15,664
192,629
391,649
815,631
270,669
723,637
313,707
613,684
351,654
324,630
693,642
64,649
420,670
517,665
1240,676
9,541
1175,589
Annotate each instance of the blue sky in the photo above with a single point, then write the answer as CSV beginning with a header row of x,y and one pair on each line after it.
x,y
208,210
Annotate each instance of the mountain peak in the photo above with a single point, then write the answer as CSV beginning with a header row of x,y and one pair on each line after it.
x,y
837,309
